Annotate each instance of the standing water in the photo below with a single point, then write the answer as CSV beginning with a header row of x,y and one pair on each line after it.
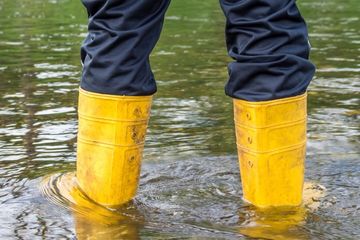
x,y
190,186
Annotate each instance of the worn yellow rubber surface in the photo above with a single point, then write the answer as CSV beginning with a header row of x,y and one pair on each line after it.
x,y
110,143
271,143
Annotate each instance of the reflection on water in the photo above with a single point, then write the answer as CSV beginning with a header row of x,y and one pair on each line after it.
x,y
98,222
190,181
91,220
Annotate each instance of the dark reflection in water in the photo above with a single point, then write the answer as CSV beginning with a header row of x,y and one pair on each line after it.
x,y
190,182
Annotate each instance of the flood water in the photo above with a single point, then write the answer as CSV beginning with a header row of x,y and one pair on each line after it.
x,y
190,187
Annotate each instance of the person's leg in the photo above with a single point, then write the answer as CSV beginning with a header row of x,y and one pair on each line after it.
x,y
116,51
115,96
268,81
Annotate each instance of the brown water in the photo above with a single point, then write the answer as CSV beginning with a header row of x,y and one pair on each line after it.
x,y
190,185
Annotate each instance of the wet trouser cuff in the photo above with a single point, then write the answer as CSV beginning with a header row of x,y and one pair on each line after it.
x,y
268,42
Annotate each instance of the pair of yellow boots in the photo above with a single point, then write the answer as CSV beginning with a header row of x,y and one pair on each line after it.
x,y
271,142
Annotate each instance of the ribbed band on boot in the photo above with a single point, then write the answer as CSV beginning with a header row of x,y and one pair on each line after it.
x,y
111,138
271,143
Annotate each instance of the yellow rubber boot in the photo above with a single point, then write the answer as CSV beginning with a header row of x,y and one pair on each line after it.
x,y
110,143
271,143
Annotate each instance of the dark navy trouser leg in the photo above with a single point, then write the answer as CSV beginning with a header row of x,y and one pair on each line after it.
x,y
268,41
115,54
